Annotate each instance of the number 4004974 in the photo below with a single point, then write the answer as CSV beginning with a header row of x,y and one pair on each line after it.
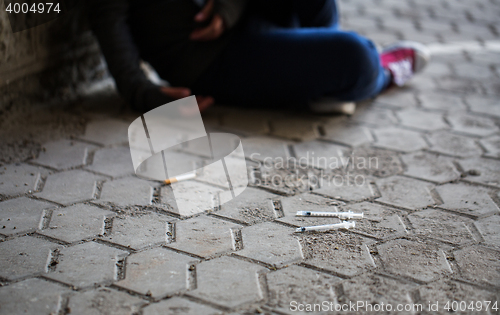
x,y
34,8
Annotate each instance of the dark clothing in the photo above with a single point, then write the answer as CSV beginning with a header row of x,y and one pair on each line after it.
x,y
291,52
156,31
276,52
161,30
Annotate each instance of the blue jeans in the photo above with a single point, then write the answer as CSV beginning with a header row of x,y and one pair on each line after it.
x,y
290,52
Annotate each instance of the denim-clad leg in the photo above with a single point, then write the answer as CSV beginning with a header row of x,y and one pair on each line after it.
x,y
292,57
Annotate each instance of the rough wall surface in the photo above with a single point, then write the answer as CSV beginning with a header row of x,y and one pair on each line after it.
x,y
45,65
47,61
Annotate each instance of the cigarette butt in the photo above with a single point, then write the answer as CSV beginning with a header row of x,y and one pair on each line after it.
x,y
343,225
341,215
179,178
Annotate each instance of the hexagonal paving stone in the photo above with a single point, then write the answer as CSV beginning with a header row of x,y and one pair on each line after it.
x,y
376,162
138,229
64,154
179,306
399,139
260,148
24,256
228,282
167,199
379,221
306,202
486,58
398,99
21,215
491,87
492,146
251,206
453,84
347,134
431,167
405,192
126,192
70,187
32,296
106,132
447,291
189,154
286,178
420,261
318,154
87,264
333,120
442,226
472,125
426,37
343,253
375,116
295,128
422,82
270,243
490,230
214,174
114,162
450,144
471,200
483,171
104,301
478,69
474,71
297,283
156,272
204,236
479,264
76,223
190,197
421,120
376,290
248,121
19,179
347,188
483,105
442,101
438,68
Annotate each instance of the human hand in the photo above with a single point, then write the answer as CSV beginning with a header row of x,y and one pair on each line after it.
x,y
214,29
180,92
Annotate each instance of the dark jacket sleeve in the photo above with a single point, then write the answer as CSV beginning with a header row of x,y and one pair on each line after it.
x,y
230,10
108,20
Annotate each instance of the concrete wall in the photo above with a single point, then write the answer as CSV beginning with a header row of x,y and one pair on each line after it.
x,y
47,62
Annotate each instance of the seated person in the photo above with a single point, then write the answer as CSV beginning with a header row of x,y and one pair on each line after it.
x,y
266,53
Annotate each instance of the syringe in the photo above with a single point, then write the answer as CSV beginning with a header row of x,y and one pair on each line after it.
x,y
341,215
343,225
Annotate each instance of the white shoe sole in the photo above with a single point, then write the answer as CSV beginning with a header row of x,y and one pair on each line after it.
x,y
329,106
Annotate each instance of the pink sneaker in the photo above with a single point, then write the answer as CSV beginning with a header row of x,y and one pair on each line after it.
x,y
404,59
